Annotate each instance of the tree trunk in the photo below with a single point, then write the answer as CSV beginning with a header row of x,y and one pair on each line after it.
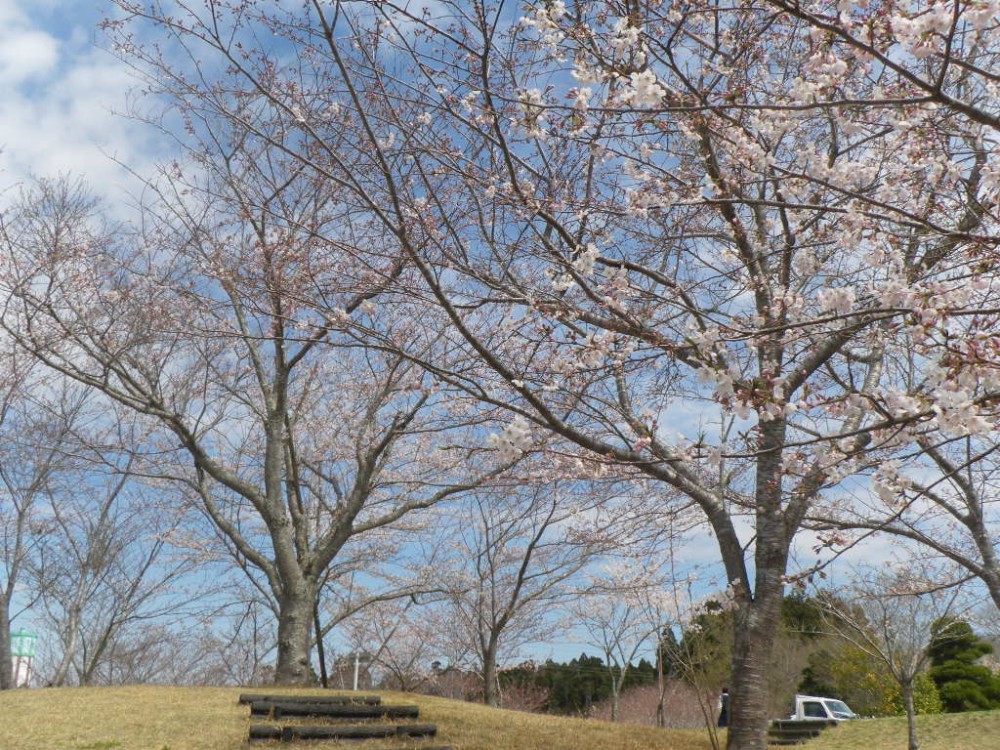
x,y
295,621
6,661
661,687
491,691
324,679
911,715
991,566
753,641
758,608
69,653
617,682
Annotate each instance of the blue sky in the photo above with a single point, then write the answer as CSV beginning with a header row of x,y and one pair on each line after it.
x,y
61,91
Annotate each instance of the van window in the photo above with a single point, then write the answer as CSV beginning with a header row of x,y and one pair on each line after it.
x,y
839,709
814,710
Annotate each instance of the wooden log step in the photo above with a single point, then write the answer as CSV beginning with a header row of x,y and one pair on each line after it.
x,y
334,700
356,732
263,732
803,734
795,723
277,709
773,739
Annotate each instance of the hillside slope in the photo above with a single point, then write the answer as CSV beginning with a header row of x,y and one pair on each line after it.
x,y
181,718
979,730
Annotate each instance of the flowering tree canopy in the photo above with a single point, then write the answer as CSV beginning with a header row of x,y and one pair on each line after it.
x,y
743,250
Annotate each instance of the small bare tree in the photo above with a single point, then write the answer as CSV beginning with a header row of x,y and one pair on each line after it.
x,y
891,617
107,566
37,419
617,623
398,642
516,553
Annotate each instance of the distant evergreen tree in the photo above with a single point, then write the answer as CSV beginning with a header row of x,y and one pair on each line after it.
x,y
962,684
817,678
802,615
669,647
574,687
577,685
643,673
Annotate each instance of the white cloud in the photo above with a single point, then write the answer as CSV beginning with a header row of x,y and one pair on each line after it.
x,y
26,54
61,93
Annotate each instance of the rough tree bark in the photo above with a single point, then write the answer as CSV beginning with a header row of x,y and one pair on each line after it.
x,y
6,662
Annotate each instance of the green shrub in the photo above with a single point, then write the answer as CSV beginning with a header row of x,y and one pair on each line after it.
x,y
962,684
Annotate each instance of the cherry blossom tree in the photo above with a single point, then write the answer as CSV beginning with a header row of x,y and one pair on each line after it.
x,y
636,598
620,624
374,577
88,566
294,436
399,643
744,251
235,644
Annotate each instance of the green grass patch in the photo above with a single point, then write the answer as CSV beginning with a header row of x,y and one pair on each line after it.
x,y
969,731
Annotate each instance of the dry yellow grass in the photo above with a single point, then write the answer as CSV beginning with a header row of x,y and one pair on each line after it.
x,y
175,718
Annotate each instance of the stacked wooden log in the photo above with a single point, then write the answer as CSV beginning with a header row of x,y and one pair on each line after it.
x,y
330,700
340,715
796,731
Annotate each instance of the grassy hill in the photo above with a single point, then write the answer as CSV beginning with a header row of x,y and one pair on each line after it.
x,y
175,718
976,730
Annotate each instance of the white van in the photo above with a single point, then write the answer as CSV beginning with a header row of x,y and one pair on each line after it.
x,y
813,708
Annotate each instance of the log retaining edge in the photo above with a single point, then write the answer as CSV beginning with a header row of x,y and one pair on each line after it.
x,y
277,709
332,700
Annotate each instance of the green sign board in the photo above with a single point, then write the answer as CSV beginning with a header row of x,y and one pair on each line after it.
x,y
22,643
